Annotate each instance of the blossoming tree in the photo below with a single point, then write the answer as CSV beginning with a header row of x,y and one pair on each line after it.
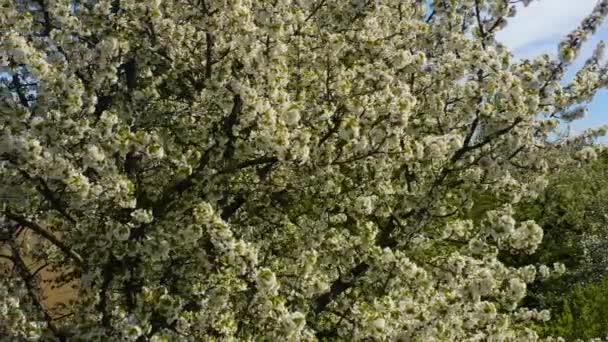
x,y
276,170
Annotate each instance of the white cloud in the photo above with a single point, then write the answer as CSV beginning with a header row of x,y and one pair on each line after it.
x,y
538,29
540,26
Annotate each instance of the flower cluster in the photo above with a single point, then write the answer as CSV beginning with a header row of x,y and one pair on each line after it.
x,y
279,170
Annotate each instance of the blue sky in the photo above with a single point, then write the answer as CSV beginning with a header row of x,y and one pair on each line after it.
x,y
538,29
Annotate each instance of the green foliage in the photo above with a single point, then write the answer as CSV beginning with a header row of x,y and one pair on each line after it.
x,y
282,170
573,212
574,216
581,314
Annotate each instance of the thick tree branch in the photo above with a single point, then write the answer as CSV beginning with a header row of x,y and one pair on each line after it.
x,y
49,195
102,306
230,209
16,83
33,290
48,236
181,186
468,148
229,123
175,190
208,55
339,286
46,18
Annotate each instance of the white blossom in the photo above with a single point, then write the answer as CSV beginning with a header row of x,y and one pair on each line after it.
x,y
277,171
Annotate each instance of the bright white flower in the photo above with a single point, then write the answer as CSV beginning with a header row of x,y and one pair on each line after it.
x,y
516,289
486,311
544,315
365,205
121,232
544,271
94,155
379,323
338,218
142,216
559,268
288,158
527,236
292,117
267,281
349,129
587,154
133,332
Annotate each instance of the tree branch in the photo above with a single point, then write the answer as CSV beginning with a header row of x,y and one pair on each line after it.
x,y
480,24
230,209
338,287
33,291
17,85
249,163
102,306
49,195
467,148
179,187
229,123
48,236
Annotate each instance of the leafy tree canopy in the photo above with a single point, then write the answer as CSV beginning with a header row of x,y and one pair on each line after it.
x,y
277,170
